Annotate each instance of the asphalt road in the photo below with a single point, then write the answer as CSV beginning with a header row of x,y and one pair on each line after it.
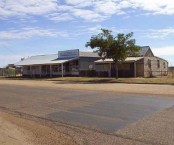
x,y
103,111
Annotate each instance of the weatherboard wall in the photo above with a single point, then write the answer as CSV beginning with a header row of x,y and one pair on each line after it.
x,y
158,67
86,62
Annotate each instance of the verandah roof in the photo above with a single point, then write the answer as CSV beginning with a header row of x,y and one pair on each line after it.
x,y
128,59
51,59
43,60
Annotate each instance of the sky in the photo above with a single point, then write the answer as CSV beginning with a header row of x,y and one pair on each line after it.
x,y
34,27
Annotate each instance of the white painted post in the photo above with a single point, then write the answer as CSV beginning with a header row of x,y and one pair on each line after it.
x,y
40,71
30,71
50,70
62,69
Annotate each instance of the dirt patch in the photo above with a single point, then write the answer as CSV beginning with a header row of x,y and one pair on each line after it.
x,y
18,131
12,134
35,133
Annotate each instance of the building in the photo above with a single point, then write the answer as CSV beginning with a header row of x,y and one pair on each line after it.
x,y
171,68
145,65
77,63
65,63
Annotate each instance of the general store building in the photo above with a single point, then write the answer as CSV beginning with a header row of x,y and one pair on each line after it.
x,y
65,63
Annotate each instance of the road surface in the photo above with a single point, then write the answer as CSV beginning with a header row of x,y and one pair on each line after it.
x,y
96,110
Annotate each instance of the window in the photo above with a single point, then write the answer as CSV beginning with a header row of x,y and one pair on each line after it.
x,y
60,68
164,64
158,63
149,63
27,68
55,68
74,66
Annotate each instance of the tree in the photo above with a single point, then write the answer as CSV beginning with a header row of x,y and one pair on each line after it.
x,y
117,47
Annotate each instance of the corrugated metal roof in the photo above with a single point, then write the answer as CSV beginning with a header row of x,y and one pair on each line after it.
x,y
143,50
51,59
88,54
43,59
128,59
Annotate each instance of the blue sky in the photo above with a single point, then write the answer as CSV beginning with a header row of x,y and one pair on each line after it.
x,y
46,26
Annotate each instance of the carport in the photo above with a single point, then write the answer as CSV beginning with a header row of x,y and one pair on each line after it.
x,y
128,68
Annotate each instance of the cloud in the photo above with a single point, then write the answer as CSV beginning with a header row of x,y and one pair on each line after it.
x,y
97,29
94,30
87,30
88,15
154,33
12,58
160,33
60,17
91,10
80,3
143,33
154,7
107,8
23,7
3,43
167,50
30,32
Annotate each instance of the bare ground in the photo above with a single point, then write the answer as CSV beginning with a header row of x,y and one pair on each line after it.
x,y
152,89
18,131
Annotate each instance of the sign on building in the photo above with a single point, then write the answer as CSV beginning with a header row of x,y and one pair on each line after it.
x,y
68,53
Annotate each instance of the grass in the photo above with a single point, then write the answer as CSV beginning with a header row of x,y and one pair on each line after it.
x,y
163,80
158,80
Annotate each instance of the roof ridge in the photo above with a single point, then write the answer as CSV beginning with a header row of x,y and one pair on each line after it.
x,y
43,55
145,46
87,51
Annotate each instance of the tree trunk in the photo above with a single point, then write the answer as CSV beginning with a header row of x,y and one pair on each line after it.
x,y
116,70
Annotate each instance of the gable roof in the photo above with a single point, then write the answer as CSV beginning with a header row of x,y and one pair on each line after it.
x,y
144,50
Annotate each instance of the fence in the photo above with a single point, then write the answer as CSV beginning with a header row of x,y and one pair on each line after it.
x,y
10,72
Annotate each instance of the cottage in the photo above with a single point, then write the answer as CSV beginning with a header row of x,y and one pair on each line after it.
x,y
145,65
77,63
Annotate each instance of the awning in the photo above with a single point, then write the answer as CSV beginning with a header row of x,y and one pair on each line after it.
x,y
43,60
128,59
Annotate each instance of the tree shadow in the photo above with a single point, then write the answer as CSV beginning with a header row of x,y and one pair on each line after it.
x,y
100,81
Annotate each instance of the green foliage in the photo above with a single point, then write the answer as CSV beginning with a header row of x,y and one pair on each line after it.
x,y
117,47
8,72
